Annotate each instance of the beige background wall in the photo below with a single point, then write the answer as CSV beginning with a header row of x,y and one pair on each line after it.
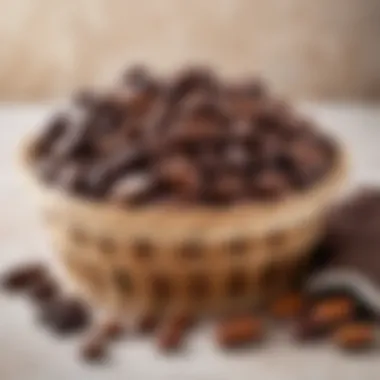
x,y
307,48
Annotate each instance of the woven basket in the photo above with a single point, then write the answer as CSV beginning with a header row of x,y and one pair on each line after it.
x,y
197,259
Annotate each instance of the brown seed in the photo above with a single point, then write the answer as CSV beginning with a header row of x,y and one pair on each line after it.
x,y
237,157
241,106
267,117
255,88
195,132
355,336
228,187
240,331
112,329
304,151
270,184
200,105
110,143
270,147
106,116
180,174
147,323
70,177
309,162
51,134
140,101
190,81
94,351
201,122
131,189
23,277
287,307
43,291
137,77
65,315
104,174
170,338
75,142
332,311
243,98
140,93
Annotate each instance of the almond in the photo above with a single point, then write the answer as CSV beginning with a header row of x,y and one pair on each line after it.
x,y
333,311
355,336
23,277
239,330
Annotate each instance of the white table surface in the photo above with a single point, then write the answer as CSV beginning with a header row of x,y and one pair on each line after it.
x,y
29,353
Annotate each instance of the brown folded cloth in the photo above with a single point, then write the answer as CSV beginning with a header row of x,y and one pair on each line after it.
x,y
349,256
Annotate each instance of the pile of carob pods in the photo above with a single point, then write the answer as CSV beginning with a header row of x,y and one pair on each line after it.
x,y
343,311
189,138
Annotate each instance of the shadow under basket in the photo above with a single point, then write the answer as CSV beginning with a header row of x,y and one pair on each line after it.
x,y
195,259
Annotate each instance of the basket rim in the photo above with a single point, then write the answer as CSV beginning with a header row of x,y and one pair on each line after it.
x,y
290,210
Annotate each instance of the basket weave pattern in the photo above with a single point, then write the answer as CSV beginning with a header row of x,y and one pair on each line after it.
x,y
136,272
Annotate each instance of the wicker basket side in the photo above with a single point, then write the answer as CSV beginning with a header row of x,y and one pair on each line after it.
x,y
131,274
